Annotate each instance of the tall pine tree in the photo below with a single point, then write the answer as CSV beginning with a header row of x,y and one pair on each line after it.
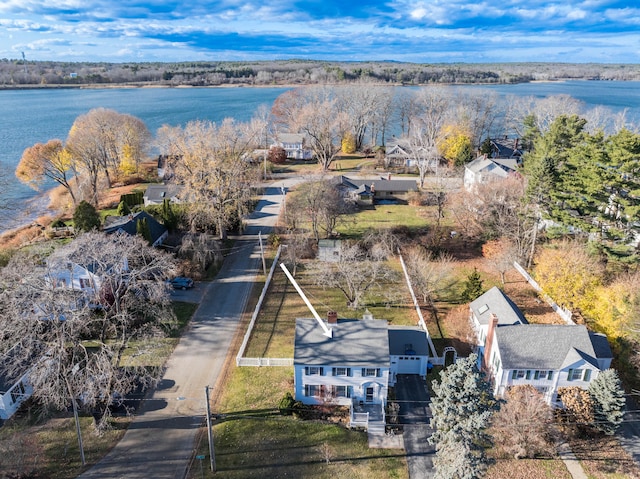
x,y
462,405
608,401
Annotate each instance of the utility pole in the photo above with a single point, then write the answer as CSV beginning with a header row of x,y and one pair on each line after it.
x,y
212,454
264,263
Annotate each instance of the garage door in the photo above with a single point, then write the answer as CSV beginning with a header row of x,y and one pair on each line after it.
x,y
408,364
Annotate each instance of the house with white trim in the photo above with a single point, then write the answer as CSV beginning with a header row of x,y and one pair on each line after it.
x,y
545,356
357,365
14,387
484,170
294,145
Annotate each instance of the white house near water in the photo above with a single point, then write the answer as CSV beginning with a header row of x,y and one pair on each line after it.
x,y
14,388
357,365
547,357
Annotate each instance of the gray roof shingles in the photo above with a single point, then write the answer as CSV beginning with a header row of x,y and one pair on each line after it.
x,y
357,343
403,337
499,304
545,346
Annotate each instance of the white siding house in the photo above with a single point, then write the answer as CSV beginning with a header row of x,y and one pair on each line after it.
x,y
544,356
484,170
356,366
14,388
294,145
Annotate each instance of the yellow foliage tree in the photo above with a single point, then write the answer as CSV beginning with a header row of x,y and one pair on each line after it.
x,y
567,273
348,143
455,144
616,306
128,161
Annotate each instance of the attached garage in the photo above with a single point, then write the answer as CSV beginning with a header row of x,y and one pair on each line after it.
x,y
408,351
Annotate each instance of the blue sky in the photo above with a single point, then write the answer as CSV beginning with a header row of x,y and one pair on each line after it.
x,y
603,31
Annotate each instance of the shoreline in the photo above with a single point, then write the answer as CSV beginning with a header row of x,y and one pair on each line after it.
x,y
159,85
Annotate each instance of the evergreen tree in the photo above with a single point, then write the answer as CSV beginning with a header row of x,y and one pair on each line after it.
x,y
123,209
462,405
608,400
472,286
143,229
86,217
169,216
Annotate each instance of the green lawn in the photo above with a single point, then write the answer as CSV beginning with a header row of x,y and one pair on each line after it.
x,y
383,217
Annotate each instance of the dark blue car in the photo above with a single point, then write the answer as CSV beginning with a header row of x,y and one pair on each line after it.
x,y
180,282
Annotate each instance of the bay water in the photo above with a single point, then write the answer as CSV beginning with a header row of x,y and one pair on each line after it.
x,y
39,115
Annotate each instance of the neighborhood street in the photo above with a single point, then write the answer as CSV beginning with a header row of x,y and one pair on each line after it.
x,y
159,442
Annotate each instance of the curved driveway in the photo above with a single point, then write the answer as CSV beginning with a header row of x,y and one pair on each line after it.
x,y
160,440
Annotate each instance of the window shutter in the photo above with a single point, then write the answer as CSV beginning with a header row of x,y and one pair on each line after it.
x,y
570,375
528,376
587,375
363,372
514,374
349,391
321,371
550,376
306,389
349,373
378,373
536,375
306,370
333,371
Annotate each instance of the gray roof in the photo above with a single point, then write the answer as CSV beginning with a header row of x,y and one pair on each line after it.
x,y
545,346
361,343
364,185
158,193
496,302
403,339
128,224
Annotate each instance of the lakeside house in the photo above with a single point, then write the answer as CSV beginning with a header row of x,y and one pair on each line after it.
x,y
294,145
548,357
372,191
355,367
129,225
14,386
484,170
156,194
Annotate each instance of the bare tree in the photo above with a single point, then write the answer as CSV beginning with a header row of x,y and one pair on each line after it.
x,y
320,203
73,341
522,426
501,254
355,274
209,160
430,274
103,141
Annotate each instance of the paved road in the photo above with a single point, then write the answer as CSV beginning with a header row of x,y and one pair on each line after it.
x,y
411,392
629,432
160,440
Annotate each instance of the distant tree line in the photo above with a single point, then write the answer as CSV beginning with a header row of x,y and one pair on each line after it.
x,y
14,72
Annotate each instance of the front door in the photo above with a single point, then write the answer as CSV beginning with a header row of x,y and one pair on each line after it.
x,y
369,394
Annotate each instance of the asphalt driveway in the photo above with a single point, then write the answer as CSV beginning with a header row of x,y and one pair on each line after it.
x,y
411,393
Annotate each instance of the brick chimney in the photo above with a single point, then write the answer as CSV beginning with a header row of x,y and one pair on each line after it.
x,y
332,317
488,342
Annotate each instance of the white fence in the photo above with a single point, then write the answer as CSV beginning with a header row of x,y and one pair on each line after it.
x,y
565,314
435,359
240,360
257,362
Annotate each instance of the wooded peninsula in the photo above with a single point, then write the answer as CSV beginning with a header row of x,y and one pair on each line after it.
x,y
23,73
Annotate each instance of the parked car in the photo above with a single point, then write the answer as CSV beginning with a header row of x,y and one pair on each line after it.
x,y
180,282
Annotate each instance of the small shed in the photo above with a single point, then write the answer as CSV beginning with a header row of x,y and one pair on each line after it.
x,y
329,250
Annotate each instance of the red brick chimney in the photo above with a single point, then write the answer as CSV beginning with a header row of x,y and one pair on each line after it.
x,y
332,317
488,342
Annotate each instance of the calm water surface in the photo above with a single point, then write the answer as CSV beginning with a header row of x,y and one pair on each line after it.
x,y
32,116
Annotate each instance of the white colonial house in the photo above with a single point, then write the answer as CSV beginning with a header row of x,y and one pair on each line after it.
x,y
14,388
294,145
67,274
356,366
547,357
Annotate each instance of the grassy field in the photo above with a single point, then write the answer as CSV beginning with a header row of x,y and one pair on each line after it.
x,y
383,217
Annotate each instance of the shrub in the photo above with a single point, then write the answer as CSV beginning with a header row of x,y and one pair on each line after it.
x,y
286,404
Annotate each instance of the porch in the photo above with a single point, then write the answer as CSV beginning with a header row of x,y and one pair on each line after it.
x,y
366,415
